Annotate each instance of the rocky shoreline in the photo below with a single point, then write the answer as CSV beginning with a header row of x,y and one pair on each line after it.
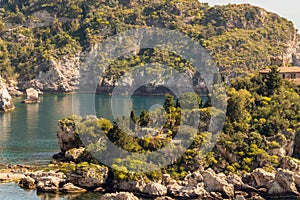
x,y
70,172
201,184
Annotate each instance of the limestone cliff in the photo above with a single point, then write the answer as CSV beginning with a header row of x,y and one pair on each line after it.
x,y
6,102
43,44
62,76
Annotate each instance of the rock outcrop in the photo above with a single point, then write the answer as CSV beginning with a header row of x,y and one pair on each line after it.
x,y
61,76
32,96
119,196
49,184
27,183
71,188
155,189
67,137
89,176
283,185
78,178
262,178
217,183
86,176
6,102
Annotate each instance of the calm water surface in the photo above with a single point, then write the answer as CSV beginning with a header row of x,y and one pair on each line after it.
x,y
28,134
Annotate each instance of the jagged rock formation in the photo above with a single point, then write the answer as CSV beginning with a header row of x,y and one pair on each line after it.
x,y
6,102
62,76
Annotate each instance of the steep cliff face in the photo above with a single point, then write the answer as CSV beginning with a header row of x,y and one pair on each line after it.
x,y
61,76
295,51
44,43
291,56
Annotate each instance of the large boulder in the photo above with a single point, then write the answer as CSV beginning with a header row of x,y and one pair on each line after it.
x,y
193,178
6,102
88,176
155,189
217,183
27,183
32,96
67,136
130,186
262,178
78,155
283,185
71,188
236,181
45,181
188,192
119,196
49,184
38,175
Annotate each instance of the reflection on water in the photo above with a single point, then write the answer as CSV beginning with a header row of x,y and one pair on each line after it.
x,y
11,191
28,134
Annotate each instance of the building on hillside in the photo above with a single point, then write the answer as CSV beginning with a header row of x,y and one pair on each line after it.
x,y
288,73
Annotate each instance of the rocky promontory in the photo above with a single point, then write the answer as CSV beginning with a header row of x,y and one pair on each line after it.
x,y
74,171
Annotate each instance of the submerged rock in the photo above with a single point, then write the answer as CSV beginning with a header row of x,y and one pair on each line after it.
x,y
32,96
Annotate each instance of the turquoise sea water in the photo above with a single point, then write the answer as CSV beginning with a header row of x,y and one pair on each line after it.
x,y
28,134
11,191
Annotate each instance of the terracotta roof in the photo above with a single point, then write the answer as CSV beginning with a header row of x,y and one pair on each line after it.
x,y
283,70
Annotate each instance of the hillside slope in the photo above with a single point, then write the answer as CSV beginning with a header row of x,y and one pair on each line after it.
x,y
43,42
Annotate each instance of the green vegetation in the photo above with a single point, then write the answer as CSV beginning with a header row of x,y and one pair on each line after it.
x,y
262,116
239,37
260,123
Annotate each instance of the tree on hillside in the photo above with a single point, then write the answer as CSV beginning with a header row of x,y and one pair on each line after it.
x,y
273,81
169,102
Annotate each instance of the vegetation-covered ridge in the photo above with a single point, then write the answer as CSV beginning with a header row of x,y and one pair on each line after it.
x,y
42,40
261,130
